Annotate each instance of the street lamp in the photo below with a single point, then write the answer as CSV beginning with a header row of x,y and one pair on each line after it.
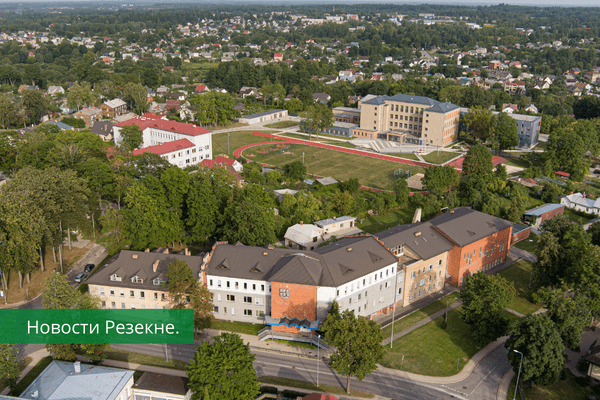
x,y
517,387
394,309
318,357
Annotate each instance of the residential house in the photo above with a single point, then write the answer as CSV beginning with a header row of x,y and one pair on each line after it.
x,y
263,116
531,108
509,108
322,98
89,115
135,278
309,236
55,90
201,88
154,386
104,129
592,76
61,380
248,91
113,108
278,57
580,202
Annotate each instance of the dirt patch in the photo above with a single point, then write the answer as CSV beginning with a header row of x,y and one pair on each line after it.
x,y
38,278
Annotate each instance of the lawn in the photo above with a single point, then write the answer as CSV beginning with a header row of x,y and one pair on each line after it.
x,y
273,380
229,126
574,217
527,244
339,143
289,343
314,136
31,375
408,156
238,327
520,274
282,124
440,157
369,171
516,161
431,350
145,359
377,223
237,139
418,315
570,388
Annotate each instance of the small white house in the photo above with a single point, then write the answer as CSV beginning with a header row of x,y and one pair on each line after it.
x,y
579,202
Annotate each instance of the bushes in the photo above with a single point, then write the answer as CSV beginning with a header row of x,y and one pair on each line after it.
x,y
268,389
74,122
292,394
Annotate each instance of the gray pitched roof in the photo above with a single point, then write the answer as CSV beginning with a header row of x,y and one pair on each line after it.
x,y
443,108
59,381
127,267
435,106
162,383
332,265
464,225
421,238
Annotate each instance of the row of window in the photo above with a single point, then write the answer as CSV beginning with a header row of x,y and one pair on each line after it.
x,y
423,292
414,274
468,257
486,267
402,118
132,306
406,126
135,279
246,312
236,285
247,299
400,108
142,294
360,295
424,280
364,281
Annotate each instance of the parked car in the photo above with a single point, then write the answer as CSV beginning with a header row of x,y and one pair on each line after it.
x,y
80,277
88,268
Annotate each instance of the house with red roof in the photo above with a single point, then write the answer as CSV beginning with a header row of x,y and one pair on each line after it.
x,y
232,166
201,88
179,143
278,57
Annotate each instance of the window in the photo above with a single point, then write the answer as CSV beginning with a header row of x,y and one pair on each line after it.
x,y
260,313
247,299
216,309
224,310
439,263
230,297
131,293
155,296
218,296
218,283
157,282
359,296
162,297
112,292
233,311
142,295
103,304
262,288
422,282
245,285
228,284
350,300
254,286
413,275
115,277
210,282
121,293
431,267
113,305
102,291
247,313
237,285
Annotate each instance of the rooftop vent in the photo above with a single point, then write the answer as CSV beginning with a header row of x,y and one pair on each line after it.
x,y
134,256
77,366
35,395
417,233
166,251
265,253
155,265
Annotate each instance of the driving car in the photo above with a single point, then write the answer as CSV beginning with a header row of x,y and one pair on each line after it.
x,y
88,268
80,277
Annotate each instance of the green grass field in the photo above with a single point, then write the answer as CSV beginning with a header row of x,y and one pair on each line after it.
x,y
527,244
570,388
418,315
431,350
282,124
342,166
408,156
236,139
578,219
519,274
145,359
377,223
274,380
440,157
238,327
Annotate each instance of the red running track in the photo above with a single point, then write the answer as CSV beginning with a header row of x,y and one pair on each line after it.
x,y
238,152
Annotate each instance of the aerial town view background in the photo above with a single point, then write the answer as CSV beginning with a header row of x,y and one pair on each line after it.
x,y
381,201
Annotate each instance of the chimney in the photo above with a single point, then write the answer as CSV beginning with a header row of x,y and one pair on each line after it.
x,y
35,394
134,256
265,253
77,366
155,265
302,222
186,251
147,250
166,251
417,233
349,249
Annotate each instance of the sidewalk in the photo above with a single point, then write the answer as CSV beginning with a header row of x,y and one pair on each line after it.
x,y
504,385
422,322
462,375
35,358
138,367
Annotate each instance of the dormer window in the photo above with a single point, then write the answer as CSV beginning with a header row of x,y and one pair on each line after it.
x,y
137,279
157,281
115,277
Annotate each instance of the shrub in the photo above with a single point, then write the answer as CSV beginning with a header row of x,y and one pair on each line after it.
x,y
292,394
268,389
74,122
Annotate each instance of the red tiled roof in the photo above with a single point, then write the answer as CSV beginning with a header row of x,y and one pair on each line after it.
x,y
217,162
458,163
165,125
165,148
200,88
560,173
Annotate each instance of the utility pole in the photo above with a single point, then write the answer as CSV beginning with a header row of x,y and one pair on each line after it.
x,y
227,144
302,158
394,309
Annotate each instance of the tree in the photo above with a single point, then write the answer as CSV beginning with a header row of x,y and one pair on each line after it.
x,y
131,137
400,186
550,193
9,366
484,299
538,338
318,118
351,186
439,180
570,312
135,93
249,222
478,161
202,208
294,171
506,132
342,202
35,105
81,96
223,370
594,232
59,294
481,122
357,343
114,233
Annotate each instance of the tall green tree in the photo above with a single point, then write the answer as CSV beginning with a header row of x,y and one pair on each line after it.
x,y
202,208
357,342
481,122
478,161
484,299
438,179
342,202
131,137
294,171
114,235
538,338
9,365
223,370
505,134
318,117
136,95
400,186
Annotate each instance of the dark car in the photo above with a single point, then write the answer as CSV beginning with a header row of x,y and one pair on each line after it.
x,y
80,277
89,267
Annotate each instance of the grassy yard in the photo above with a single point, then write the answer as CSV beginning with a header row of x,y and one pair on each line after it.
x,y
578,219
570,388
289,343
431,350
273,380
238,327
519,274
418,315
145,359
236,139
230,126
408,156
439,157
527,244
516,161
30,377
339,143
342,166
282,124
377,223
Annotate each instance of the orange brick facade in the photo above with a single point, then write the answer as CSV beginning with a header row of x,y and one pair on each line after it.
x,y
301,303
478,256
524,234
